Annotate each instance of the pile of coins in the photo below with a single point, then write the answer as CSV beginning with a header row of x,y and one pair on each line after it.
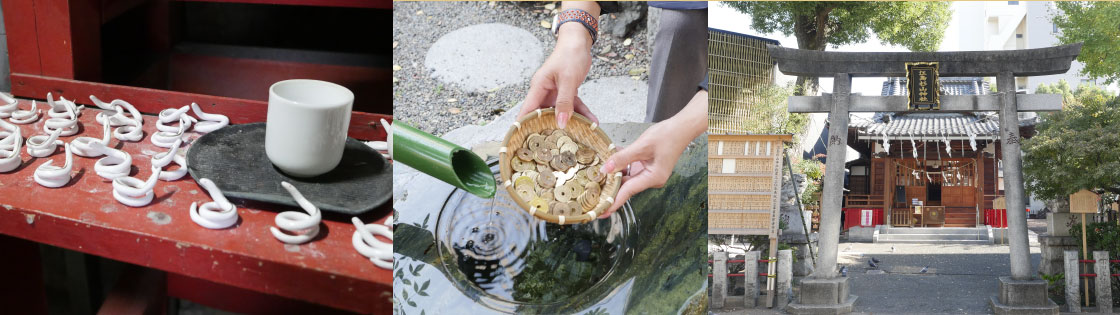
x,y
557,175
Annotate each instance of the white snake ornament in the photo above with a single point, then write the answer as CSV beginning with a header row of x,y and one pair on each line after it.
x,y
378,252
166,139
51,176
208,122
9,105
214,215
129,132
10,147
26,116
115,164
172,115
134,192
112,111
62,107
43,145
298,227
82,146
68,122
164,159
10,135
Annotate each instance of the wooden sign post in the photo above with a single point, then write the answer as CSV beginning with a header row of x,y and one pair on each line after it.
x,y
1084,202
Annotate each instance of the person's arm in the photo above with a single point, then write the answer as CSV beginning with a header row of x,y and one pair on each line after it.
x,y
556,82
651,158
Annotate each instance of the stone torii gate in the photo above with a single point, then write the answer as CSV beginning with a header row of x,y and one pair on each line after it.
x,y
824,291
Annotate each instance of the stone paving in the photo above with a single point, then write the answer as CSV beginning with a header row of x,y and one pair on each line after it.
x,y
959,280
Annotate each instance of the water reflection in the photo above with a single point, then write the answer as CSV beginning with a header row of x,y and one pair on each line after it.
x,y
491,257
506,257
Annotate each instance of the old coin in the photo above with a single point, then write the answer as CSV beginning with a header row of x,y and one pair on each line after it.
x,y
542,155
563,208
540,204
521,166
546,179
525,154
534,141
584,155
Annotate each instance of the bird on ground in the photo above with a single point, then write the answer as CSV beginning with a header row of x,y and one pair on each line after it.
x,y
872,264
892,248
876,260
849,248
844,271
924,269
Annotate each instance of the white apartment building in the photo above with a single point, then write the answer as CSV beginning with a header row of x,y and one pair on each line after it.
x,y
1002,25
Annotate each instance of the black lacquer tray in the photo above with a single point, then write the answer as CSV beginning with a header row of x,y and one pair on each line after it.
x,y
234,158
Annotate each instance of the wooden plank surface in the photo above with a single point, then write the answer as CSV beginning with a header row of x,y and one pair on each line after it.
x,y
374,4
363,126
83,216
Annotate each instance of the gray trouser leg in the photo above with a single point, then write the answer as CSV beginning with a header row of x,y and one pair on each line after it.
x,y
679,62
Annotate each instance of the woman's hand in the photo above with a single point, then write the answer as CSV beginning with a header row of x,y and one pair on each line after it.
x,y
652,157
556,82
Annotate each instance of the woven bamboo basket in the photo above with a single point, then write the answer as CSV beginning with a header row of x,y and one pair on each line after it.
x,y
579,129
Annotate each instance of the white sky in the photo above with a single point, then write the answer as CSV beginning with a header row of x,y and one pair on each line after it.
x,y
726,18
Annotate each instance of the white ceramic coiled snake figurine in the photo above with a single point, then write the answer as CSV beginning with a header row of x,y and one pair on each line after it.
x,y
82,146
208,122
63,116
26,116
10,147
115,164
9,105
298,227
134,192
380,253
164,159
172,115
112,111
165,139
217,214
43,145
51,176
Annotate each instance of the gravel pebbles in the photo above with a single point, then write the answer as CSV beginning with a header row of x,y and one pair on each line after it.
x,y
435,107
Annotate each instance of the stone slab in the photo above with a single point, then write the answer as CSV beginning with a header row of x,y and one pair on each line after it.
x,y
484,56
1020,62
861,234
840,308
1021,293
823,291
1001,309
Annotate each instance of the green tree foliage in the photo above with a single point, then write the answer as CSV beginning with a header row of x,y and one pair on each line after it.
x,y
918,26
769,112
1075,148
1097,24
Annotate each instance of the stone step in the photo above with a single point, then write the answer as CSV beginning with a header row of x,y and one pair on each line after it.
x,y
946,230
932,237
965,242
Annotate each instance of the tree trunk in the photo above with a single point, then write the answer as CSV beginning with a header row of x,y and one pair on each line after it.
x,y
812,34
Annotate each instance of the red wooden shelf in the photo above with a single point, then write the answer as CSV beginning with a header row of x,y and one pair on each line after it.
x,y
372,4
83,216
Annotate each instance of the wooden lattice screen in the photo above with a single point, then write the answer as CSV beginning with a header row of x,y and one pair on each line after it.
x,y
745,183
737,65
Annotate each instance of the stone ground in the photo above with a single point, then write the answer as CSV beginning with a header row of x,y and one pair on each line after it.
x,y
959,280
467,63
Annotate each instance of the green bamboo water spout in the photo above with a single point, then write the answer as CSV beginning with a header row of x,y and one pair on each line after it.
x,y
442,159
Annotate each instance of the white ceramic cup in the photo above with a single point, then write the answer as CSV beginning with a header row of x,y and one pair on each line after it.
x,y
306,129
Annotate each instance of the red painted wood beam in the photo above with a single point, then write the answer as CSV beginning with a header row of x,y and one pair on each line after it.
x,y
363,126
372,4
237,300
